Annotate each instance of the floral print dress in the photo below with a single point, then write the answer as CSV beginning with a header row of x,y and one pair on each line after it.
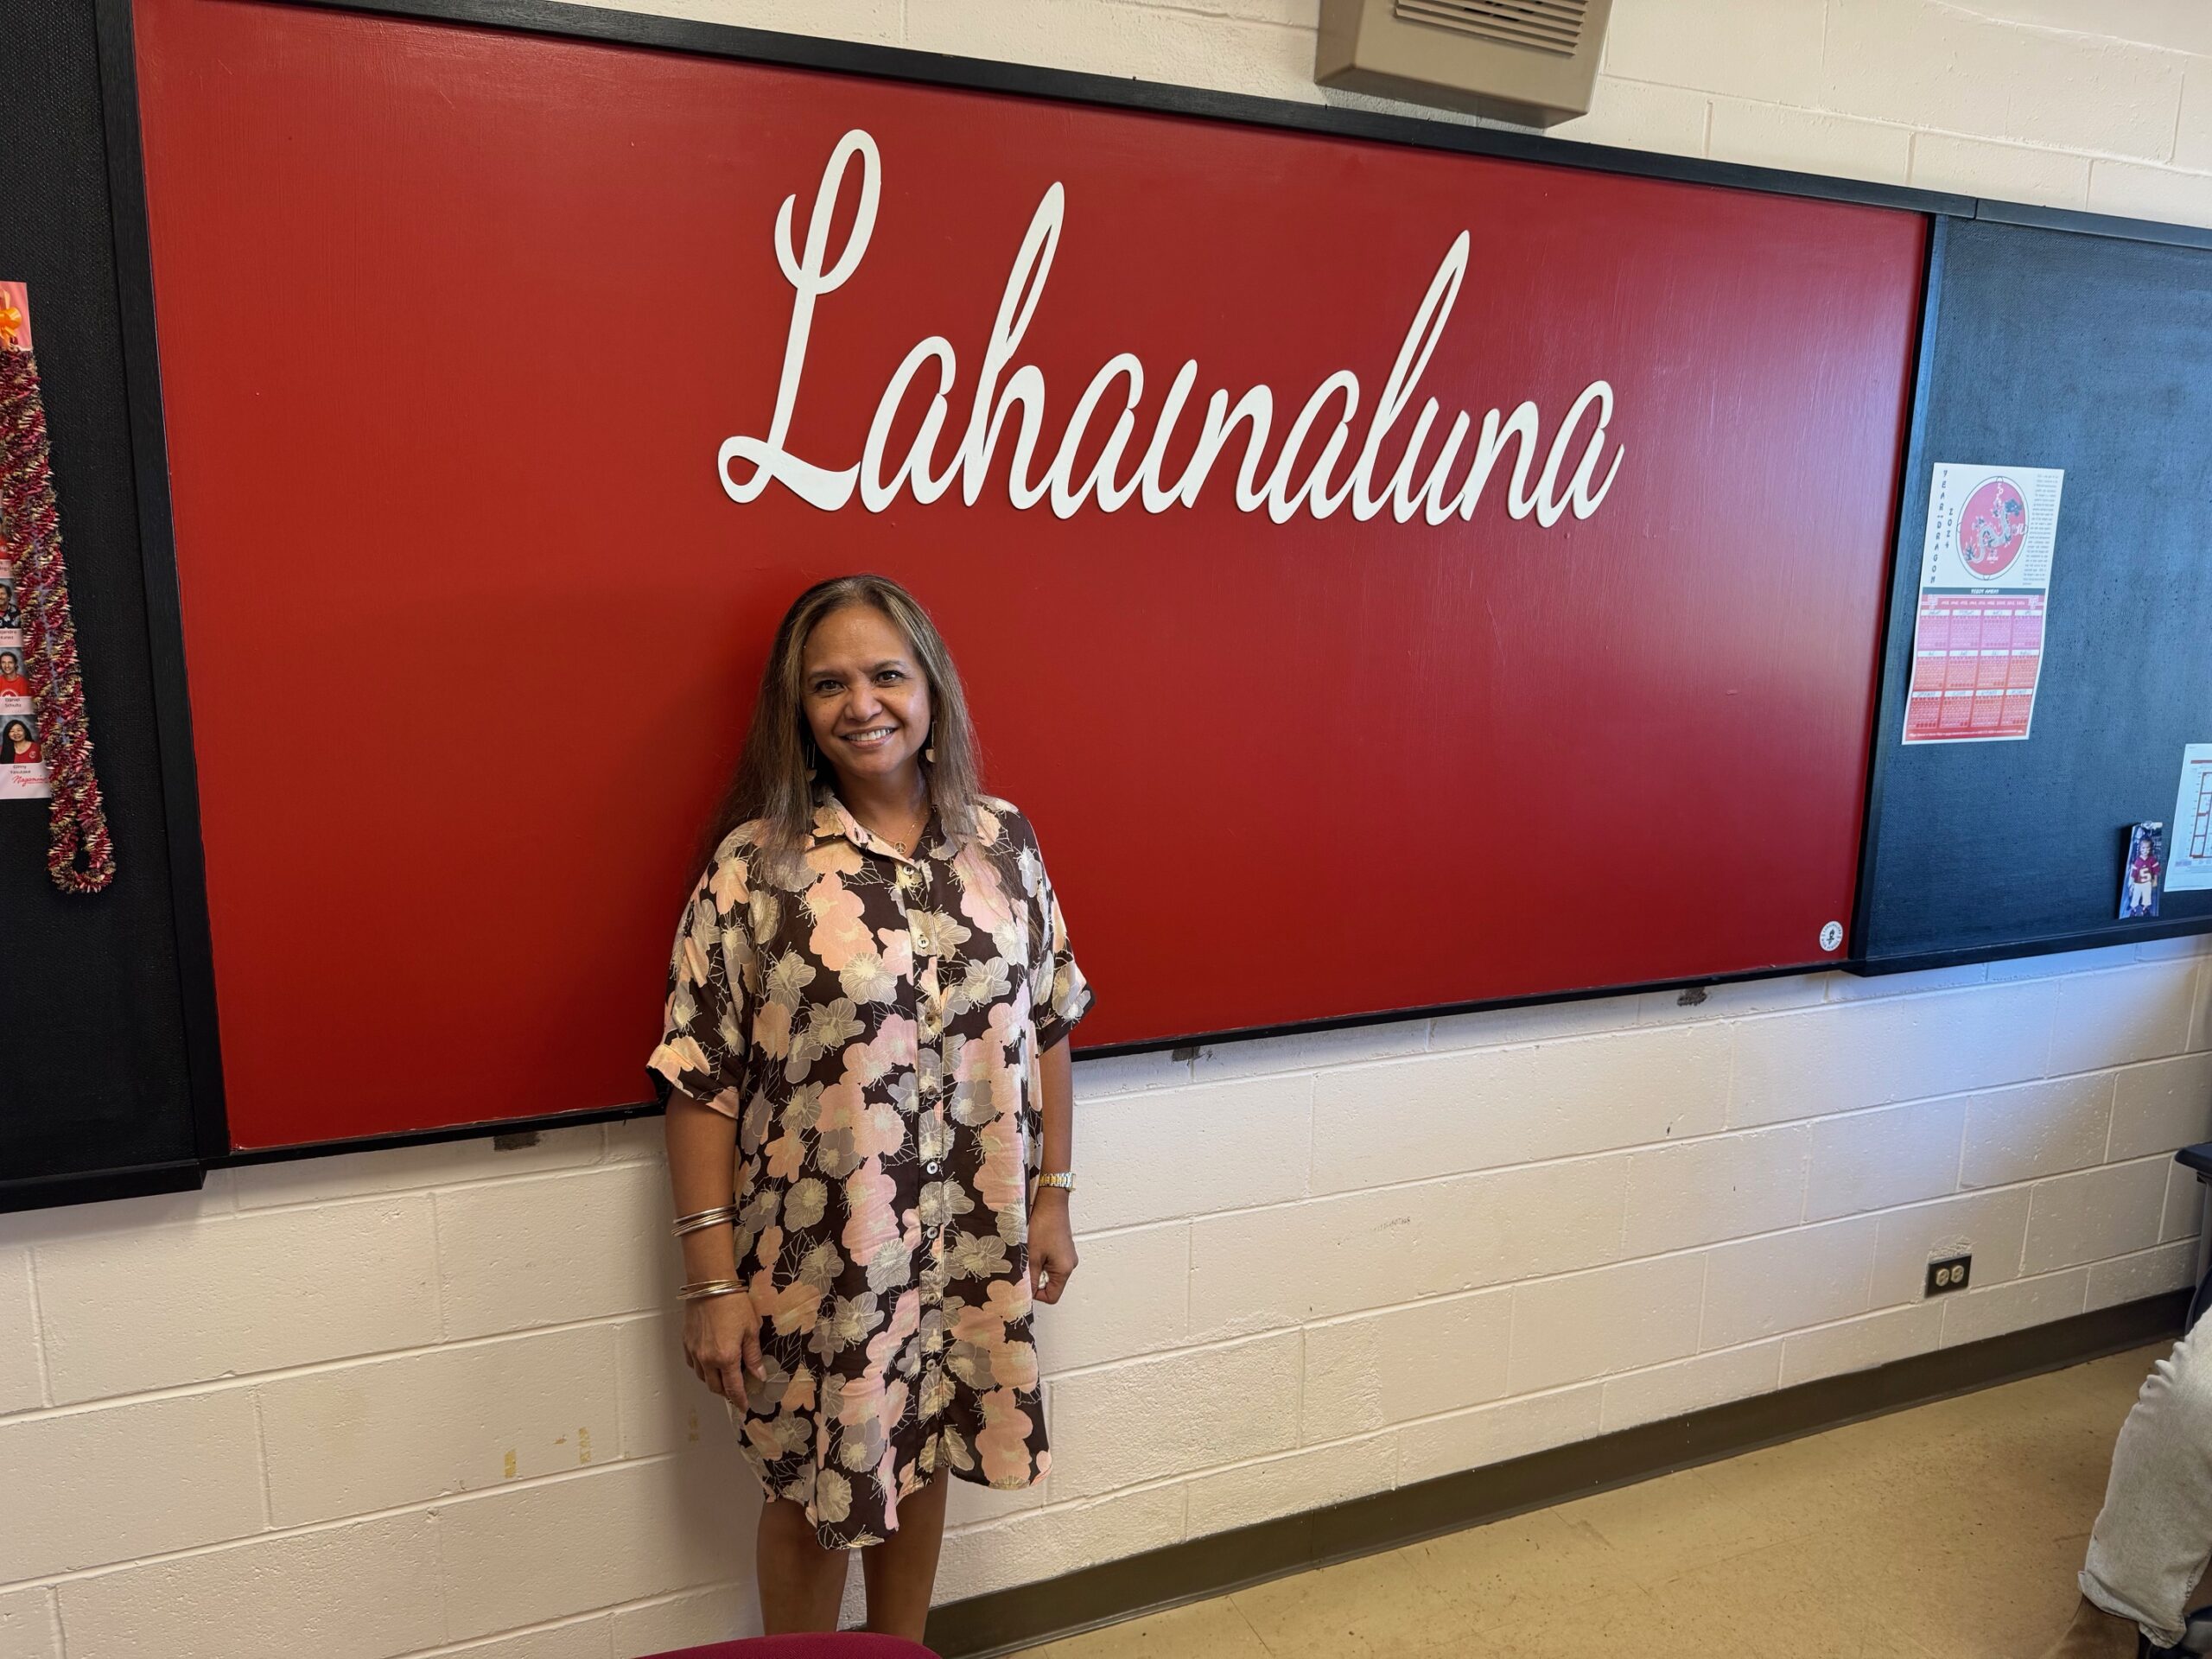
x,y
872,1023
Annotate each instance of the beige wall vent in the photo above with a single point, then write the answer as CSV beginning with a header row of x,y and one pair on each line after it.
x,y
1529,61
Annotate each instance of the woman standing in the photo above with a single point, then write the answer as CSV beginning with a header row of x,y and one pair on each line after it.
x,y
870,1100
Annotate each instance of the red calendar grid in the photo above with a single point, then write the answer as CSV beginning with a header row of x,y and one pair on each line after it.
x,y
1975,661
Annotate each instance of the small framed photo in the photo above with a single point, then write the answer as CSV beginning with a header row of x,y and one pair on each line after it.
x,y
22,764
2142,871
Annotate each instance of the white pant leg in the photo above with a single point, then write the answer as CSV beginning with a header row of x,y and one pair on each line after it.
x,y
2154,1535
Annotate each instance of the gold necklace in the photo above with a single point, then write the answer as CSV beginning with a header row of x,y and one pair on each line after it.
x,y
904,844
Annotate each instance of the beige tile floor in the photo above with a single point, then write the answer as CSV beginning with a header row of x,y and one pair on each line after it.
x,y
1950,1531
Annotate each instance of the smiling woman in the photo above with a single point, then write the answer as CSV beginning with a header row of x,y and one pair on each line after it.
x,y
865,1062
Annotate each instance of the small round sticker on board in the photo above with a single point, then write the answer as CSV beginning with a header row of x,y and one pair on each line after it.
x,y
1832,936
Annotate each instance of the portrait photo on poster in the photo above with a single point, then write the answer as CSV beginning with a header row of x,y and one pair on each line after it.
x,y
2141,868
22,766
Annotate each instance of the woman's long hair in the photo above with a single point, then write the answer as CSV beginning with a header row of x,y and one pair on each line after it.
x,y
776,774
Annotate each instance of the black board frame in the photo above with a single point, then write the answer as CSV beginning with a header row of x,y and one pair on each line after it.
x,y
119,118
115,123
157,552
1895,658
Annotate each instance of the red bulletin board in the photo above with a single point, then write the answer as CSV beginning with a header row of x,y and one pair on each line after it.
x,y
454,321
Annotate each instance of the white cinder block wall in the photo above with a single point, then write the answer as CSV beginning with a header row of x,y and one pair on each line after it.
x,y
428,1401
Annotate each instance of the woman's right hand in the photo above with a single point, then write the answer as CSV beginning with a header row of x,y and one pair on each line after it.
x,y
721,1343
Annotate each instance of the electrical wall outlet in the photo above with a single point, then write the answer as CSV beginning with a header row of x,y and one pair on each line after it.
x,y
1948,1275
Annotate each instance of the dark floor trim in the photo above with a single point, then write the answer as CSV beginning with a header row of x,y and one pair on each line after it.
x,y
1010,1619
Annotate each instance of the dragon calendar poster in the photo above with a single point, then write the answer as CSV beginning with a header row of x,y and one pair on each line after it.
x,y
1985,586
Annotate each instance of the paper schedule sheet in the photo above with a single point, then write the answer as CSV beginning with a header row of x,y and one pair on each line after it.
x,y
1985,583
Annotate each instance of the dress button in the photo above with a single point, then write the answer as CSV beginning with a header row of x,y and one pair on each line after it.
x,y
931,1166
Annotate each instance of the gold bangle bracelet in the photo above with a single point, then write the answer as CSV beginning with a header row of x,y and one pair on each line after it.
x,y
701,1223
707,1288
699,1219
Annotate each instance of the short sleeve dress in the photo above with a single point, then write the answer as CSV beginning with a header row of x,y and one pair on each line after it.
x,y
872,1023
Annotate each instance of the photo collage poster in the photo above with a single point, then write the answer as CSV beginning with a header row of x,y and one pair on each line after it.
x,y
22,767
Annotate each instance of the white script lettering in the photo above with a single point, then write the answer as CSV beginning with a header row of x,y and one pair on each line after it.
x,y
1308,472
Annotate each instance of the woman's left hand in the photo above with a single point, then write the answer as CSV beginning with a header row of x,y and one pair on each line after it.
x,y
1051,1244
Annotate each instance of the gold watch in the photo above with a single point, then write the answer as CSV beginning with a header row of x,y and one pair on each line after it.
x,y
1064,1178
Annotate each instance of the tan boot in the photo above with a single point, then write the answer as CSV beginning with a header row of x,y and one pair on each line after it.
x,y
2095,1634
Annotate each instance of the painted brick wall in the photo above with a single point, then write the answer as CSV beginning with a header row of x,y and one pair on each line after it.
x,y
428,1401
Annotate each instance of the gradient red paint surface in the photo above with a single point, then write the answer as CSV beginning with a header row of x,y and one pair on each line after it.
x,y
453,321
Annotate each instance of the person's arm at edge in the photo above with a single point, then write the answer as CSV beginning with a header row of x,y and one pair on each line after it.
x,y
1051,1233
722,1333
